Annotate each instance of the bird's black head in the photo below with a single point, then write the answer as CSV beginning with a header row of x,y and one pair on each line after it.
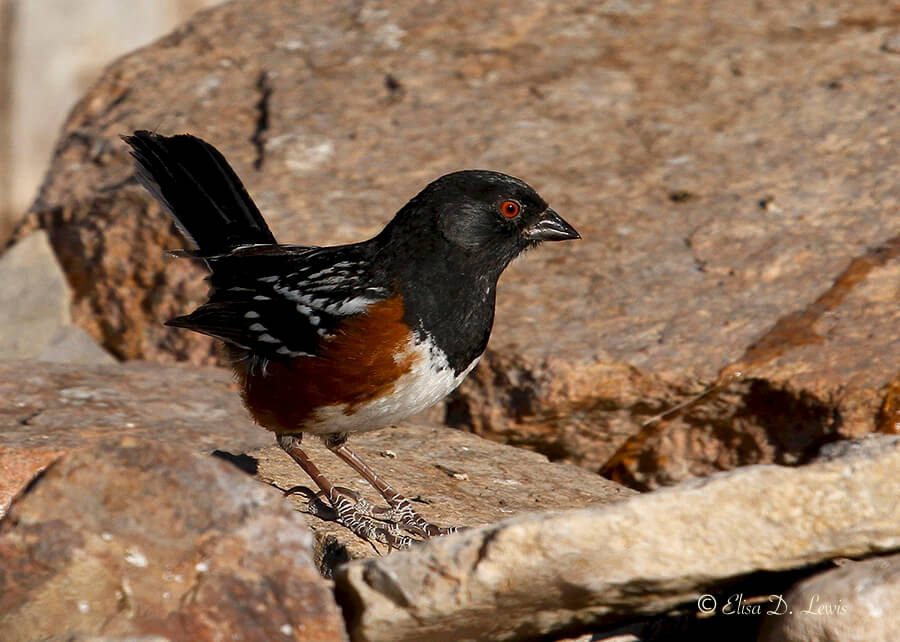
x,y
487,216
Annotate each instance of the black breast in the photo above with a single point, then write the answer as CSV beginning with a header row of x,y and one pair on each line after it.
x,y
450,301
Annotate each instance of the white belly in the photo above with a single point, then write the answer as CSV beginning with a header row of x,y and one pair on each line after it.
x,y
429,380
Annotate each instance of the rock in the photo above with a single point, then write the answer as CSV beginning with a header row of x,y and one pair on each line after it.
x,y
35,321
601,567
142,538
18,466
54,408
61,408
457,479
34,297
717,238
858,602
72,344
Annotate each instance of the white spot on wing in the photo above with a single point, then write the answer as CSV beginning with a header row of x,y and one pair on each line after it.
x,y
331,282
258,327
293,353
327,270
268,338
250,314
350,306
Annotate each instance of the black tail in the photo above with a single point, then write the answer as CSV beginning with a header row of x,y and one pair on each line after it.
x,y
194,182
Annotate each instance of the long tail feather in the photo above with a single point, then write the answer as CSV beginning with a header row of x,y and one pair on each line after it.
x,y
201,192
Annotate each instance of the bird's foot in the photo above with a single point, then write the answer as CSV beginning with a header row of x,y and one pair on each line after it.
x,y
373,523
400,513
405,516
363,519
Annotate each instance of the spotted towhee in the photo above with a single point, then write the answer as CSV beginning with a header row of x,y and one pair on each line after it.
x,y
336,340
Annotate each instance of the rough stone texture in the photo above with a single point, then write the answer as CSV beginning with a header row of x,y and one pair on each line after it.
x,y
142,538
34,297
733,175
600,567
57,408
52,408
858,602
461,480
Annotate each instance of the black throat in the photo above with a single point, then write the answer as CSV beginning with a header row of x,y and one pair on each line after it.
x,y
448,296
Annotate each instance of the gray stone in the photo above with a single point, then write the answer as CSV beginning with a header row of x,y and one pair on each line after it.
x,y
601,567
34,297
858,602
61,39
72,344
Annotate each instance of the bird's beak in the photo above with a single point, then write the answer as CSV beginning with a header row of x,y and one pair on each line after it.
x,y
550,227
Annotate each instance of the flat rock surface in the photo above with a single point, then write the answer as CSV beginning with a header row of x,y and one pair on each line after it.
x,y
457,479
600,567
52,408
134,538
465,480
67,405
731,168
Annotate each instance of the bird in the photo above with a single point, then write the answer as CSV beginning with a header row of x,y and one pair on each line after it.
x,y
337,340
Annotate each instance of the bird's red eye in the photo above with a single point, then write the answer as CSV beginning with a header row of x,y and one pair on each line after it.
x,y
509,209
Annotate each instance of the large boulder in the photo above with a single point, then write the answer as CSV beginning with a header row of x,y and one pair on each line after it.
x,y
732,171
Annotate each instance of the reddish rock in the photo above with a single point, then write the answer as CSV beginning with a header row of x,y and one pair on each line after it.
x,y
732,173
54,408
141,538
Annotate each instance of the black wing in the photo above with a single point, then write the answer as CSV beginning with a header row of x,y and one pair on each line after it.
x,y
280,305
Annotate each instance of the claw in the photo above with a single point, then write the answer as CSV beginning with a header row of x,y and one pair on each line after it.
x,y
346,506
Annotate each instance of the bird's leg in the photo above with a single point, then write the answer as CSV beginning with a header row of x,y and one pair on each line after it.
x,y
346,511
401,512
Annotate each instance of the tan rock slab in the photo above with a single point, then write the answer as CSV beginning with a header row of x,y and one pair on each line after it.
x,y
55,408
604,566
455,478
